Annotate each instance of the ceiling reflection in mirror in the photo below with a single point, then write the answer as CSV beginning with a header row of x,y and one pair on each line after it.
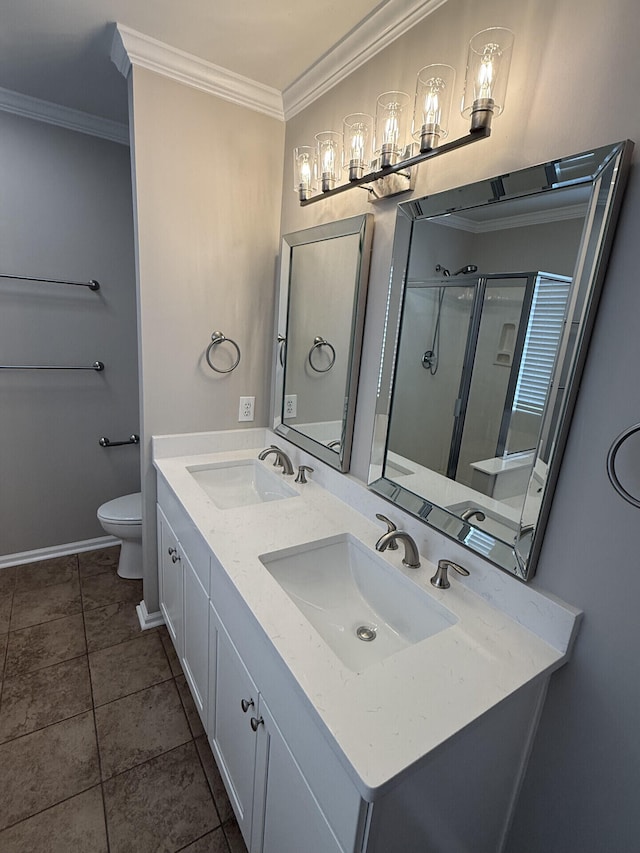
x,y
323,285
493,293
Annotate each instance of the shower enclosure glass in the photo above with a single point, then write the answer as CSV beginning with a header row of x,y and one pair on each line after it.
x,y
480,401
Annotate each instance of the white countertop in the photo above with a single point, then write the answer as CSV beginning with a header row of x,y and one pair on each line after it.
x,y
398,710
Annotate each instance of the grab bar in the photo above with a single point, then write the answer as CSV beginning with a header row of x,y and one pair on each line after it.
x,y
133,439
97,366
92,284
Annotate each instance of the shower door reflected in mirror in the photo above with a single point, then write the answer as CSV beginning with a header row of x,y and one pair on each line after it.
x,y
322,299
492,299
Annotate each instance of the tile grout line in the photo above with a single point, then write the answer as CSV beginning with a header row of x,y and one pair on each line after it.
x,y
47,808
193,738
36,590
95,725
66,719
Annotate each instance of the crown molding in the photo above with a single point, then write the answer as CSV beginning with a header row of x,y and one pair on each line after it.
x,y
133,48
34,108
382,27
538,217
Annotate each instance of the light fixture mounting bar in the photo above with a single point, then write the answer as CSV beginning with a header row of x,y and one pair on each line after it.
x,y
472,136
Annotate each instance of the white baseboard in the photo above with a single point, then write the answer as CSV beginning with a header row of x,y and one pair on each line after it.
x,y
148,620
57,551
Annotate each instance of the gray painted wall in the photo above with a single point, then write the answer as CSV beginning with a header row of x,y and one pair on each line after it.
x,y
65,212
207,221
581,787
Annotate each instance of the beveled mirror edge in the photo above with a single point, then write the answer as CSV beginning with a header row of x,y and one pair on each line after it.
x,y
361,224
617,163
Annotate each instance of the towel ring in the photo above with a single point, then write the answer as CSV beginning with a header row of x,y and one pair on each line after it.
x,y
219,338
321,342
611,465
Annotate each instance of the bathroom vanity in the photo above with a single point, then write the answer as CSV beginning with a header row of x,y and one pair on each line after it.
x,y
414,742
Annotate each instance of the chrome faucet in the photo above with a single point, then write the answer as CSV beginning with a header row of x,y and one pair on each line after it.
x,y
390,540
470,513
281,458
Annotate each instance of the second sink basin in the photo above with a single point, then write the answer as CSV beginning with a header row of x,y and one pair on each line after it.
x,y
361,606
241,483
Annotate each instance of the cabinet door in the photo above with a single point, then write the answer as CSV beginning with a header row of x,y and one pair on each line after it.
x,y
232,739
195,661
287,817
170,582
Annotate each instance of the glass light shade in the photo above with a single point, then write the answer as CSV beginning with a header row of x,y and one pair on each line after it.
x,y
304,171
356,132
391,126
329,153
488,63
434,92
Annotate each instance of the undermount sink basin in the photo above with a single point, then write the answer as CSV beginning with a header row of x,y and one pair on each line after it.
x,y
361,606
241,483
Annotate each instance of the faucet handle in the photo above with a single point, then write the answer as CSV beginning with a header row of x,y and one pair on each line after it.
x,y
440,579
302,470
393,545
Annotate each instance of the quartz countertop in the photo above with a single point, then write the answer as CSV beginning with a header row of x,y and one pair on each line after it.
x,y
395,712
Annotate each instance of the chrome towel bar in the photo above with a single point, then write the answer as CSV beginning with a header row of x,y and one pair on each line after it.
x,y
97,366
92,284
133,439
219,338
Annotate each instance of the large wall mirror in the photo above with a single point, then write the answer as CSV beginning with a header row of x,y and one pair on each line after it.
x,y
493,293
323,288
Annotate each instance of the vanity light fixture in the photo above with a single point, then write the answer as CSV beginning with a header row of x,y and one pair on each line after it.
x,y
488,63
356,132
391,126
389,172
434,93
304,170
329,153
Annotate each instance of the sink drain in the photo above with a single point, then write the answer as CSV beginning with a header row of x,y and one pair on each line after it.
x,y
365,633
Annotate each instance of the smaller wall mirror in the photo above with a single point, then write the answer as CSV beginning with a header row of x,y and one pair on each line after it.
x,y
492,299
323,289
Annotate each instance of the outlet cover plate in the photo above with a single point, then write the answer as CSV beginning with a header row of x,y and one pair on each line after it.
x,y
246,409
290,405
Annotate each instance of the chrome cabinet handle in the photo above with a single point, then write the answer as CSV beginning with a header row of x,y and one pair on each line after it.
x,y
255,722
246,704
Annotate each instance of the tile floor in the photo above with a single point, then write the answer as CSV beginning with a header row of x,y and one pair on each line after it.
x,y
101,747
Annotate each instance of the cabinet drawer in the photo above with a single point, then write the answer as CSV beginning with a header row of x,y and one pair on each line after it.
x,y
192,543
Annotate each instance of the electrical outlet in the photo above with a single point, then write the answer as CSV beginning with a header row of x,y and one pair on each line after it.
x,y
246,410
290,405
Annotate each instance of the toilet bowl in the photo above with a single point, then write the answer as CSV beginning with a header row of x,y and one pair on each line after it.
x,y
122,517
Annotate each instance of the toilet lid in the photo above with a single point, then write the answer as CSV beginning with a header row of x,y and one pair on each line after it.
x,y
126,510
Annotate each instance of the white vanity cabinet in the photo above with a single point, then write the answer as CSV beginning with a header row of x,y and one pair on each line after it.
x,y
305,776
171,582
184,595
276,810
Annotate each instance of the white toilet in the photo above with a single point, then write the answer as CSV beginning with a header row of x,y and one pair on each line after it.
x,y
122,517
